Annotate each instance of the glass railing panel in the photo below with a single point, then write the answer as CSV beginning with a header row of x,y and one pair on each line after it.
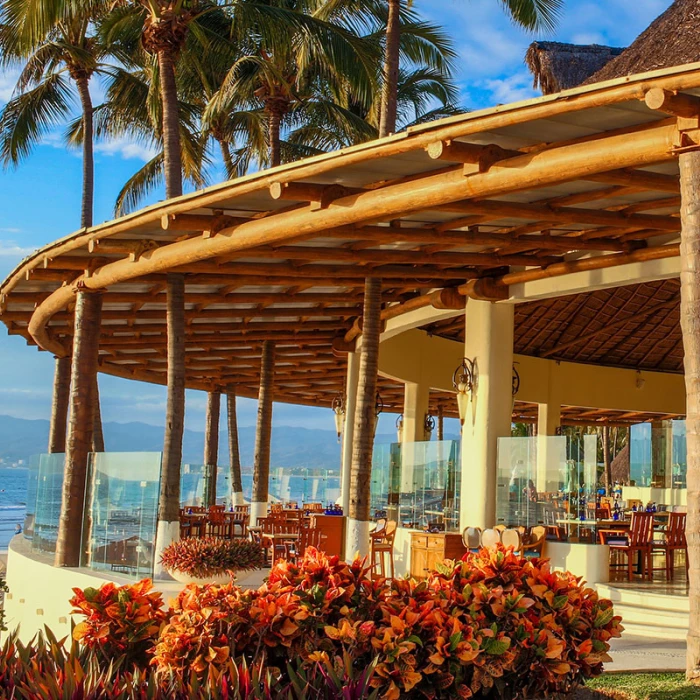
x,y
32,484
49,491
197,479
119,528
640,455
679,455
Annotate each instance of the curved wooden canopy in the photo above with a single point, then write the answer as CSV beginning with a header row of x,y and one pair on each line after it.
x,y
463,207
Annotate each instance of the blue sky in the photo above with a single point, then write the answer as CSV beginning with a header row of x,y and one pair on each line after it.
x,y
40,201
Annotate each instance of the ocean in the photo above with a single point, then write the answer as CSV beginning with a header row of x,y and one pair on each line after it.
x,y
13,501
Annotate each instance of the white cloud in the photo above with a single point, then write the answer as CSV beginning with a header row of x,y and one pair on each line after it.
x,y
512,89
125,148
10,249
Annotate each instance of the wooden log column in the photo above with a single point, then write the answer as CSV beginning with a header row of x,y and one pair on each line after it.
x,y
234,450
261,461
211,445
88,310
357,539
689,164
169,502
59,405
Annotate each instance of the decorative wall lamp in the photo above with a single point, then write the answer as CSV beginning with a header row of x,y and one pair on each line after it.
x,y
463,382
516,383
399,429
428,427
338,407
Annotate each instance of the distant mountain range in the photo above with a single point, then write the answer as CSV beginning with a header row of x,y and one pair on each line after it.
x,y
291,446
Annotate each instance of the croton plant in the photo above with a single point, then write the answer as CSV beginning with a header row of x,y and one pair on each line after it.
x,y
494,625
202,557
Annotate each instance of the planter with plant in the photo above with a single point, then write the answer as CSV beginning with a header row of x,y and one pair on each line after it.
x,y
211,559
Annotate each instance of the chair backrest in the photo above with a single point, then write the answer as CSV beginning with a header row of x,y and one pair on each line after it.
x,y
390,532
500,528
471,537
380,525
675,532
309,537
603,513
217,509
490,537
641,529
537,533
241,509
510,537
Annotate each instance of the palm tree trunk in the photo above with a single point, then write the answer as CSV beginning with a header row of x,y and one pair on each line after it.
x,y
82,83
689,164
607,461
234,450
169,501
261,460
390,87
365,417
274,122
440,422
211,444
228,161
98,438
172,154
86,343
59,405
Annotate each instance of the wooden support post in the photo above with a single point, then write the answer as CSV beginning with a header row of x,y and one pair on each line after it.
x,y
59,405
83,369
169,502
689,164
263,434
365,422
440,422
234,450
211,445
98,438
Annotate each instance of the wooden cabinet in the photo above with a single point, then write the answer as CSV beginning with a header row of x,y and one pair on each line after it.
x,y
429,550
332,529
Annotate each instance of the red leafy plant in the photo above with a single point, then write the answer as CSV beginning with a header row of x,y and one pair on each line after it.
x,y
494,625
202,557
119,620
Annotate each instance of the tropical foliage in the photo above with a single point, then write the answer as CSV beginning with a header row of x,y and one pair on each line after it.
x,y
494,625
3,589
201,557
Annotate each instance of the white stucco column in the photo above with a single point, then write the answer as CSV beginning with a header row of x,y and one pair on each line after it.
x,y
349,428
415,407
548,456
489,343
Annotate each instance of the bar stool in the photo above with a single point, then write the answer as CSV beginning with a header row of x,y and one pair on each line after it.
x,y
382,544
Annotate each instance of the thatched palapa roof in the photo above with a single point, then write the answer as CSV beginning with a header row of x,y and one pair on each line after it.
x,y
557,66
670,40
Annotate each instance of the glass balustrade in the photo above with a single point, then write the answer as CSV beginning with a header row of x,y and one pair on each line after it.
x,y
47,501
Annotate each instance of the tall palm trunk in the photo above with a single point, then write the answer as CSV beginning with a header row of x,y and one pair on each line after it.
x,y
261,461
82,83
689,164
211,445
390,86
171,124
98,438
234,450
86,343
59,405
365,417
274,126
228,161
169,502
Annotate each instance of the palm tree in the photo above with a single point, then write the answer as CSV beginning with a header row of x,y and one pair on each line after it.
x,y
533,15
57,46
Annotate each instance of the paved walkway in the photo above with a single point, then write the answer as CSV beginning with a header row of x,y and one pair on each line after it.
x,y
632,653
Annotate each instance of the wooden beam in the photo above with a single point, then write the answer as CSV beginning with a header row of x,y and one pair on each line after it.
x,y
460,152
677,104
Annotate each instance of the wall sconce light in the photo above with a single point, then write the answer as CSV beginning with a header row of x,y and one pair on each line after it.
x,y
640,381
338,407
378,408
428,427
399,429
463,382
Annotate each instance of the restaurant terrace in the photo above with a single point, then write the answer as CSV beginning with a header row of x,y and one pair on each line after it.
x,y
521,263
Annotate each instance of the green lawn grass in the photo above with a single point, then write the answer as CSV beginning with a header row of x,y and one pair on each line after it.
x,y
647,686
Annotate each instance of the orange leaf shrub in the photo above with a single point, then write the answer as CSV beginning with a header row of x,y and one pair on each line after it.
x,y
119,620
493,625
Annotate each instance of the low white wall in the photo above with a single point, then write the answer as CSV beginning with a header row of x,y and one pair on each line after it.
x,y
591,561
39,592
669,497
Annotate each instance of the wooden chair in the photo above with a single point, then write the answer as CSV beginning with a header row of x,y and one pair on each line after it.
x,y
490,537
471,538
535,543
379,525
382,543
219,525
603,512
638,541
308,537
674,540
